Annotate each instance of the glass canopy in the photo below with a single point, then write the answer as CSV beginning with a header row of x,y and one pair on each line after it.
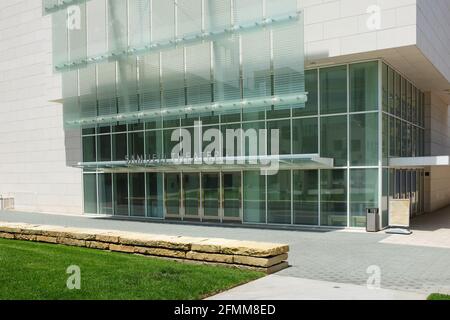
x,y
299,161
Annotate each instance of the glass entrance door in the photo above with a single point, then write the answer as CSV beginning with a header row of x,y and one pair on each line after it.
x,y
232,196
172,186
191,194
211,195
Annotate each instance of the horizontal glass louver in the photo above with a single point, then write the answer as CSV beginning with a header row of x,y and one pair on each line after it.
x,y
50,6
63,63
216,107
128,60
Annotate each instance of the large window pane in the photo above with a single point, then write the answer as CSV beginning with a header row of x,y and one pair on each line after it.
x,y
398,95
284,141
119,146
153,144
191,194
311,86
120,186
305,136
104,147
89,149
364,139
334,139
364,86
385,138
137,194
306,197
385,94
211,195
172,193
333,90
391,91
363,194
90,193
155,196
279,198
105,193
254,197
333,204
136,144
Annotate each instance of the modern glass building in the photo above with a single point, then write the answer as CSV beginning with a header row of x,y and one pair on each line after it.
x,y
134,72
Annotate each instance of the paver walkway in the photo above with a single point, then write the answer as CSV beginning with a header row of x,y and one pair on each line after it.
x,y
332,256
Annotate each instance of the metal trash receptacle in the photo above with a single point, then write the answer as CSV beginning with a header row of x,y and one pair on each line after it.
x,y
373,220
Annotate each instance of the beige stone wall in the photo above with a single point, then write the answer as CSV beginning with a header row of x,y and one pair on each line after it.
x,y
258,256
437,143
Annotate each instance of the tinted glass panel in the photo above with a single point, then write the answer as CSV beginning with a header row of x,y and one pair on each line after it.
x,y
279,198
333,90
254,197
333,198
334,139
364,86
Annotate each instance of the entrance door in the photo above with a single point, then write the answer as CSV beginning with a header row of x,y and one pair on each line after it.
x,y
191,194
172,198
232,196
211,195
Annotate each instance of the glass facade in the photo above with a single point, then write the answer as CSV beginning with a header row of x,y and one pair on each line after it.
x,y
403,119
133,78
360,137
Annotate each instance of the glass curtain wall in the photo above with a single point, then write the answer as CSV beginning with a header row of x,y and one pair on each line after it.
x,y
346,130
403,136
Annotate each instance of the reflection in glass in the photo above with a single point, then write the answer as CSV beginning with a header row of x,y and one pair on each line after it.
x,y
333,90
364,139
191,194
90,193
155,205
137,194
105,193
232,193
305,138
119,146
333,198
254,197
334,139
306,197
120,185
364,86
211,194
172,193
89,149
279,198
363,194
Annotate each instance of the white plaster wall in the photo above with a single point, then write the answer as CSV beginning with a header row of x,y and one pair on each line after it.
x,y
339,27
32,147
437,142
433,33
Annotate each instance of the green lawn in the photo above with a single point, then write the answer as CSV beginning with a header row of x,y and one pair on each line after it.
x,y
31,270
437,296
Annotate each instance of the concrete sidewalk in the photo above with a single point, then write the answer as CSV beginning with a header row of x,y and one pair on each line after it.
x,y
331,256
275,287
